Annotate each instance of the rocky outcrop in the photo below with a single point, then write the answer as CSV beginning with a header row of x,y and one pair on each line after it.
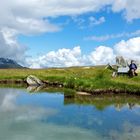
x,y
33,81
121,62
6,63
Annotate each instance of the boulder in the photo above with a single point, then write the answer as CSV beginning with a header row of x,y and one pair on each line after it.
x,y
34,81
121,62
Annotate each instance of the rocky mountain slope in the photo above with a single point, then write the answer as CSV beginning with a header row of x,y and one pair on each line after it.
x,y
8,63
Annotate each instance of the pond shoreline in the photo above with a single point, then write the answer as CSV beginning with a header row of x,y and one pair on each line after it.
x,y
23,83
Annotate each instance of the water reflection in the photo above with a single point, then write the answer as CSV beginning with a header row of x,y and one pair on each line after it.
x,y
56,116
119,101
101,102
129,132
35,88
26,112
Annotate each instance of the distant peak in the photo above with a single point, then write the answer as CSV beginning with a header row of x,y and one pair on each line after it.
x,y
8,63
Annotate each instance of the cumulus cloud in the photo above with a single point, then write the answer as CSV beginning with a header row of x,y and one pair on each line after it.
x,y
74,57
100,55
61,58
29,26
43,8
129,49
9,47
30,17
131,9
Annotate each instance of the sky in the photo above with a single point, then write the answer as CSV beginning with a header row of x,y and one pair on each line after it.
x,y
63,33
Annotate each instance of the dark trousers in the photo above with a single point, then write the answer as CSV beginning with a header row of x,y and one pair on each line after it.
x,y
132,72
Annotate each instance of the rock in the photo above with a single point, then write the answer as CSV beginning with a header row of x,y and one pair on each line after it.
x,y
34,81
121,62
83,93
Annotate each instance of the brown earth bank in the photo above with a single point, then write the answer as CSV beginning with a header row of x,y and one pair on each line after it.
x,y
23,83
11,81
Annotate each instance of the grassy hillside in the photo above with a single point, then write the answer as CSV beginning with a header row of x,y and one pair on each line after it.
x,y
80,78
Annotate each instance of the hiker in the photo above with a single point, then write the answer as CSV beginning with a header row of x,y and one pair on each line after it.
x,y
133,68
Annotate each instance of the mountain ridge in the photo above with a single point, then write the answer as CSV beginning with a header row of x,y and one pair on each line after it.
x,y
6,63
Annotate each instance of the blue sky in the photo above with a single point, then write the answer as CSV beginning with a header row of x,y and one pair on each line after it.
x,y
61,33
72,34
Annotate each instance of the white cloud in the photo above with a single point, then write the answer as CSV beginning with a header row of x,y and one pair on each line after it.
x,y
87,22
113,36
80,22
9,47
130,8
93,21
27,17
101,55
42,8
29,26
73,57
129,49
61,58
18,14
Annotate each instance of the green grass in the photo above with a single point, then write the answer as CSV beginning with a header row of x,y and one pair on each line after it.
x,y
79,78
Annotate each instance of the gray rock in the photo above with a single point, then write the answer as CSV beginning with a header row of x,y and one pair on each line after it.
x,y
33,80
121,62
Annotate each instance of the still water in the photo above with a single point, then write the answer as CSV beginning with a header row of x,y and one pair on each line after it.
x,y
54,116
